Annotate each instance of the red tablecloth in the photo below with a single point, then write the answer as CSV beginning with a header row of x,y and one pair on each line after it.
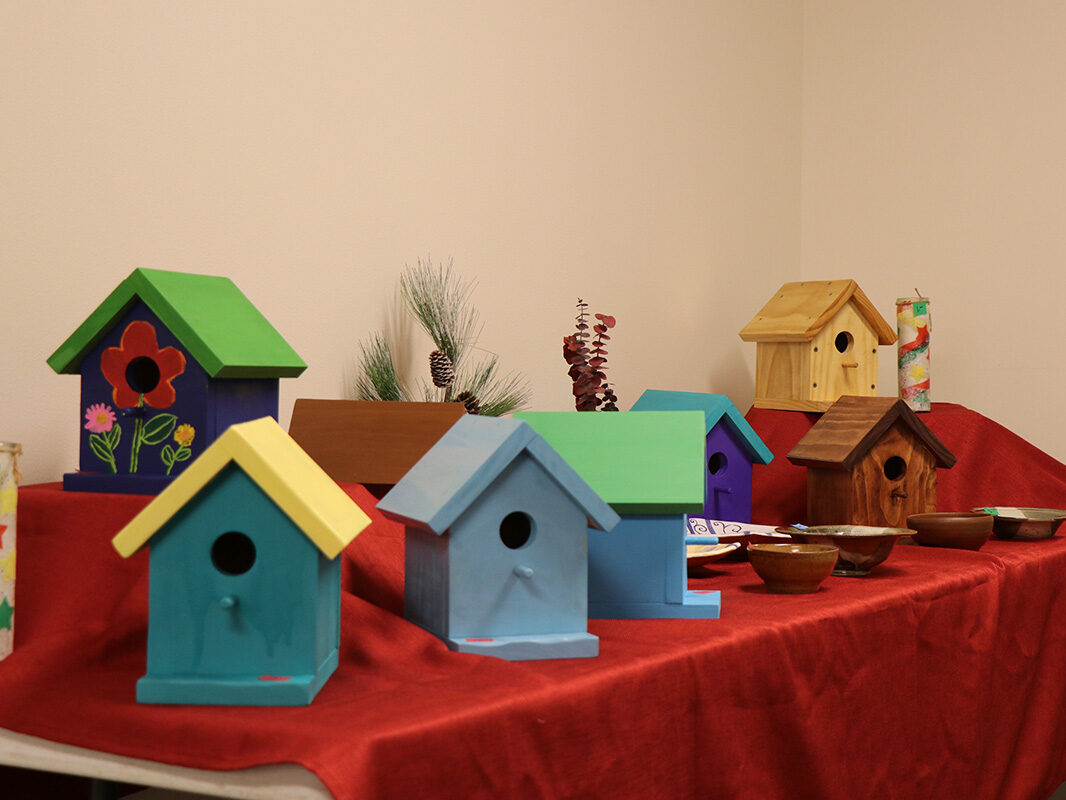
x,y
942,674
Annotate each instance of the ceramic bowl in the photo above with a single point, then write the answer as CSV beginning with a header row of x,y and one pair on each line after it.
x,y
792,568
965,530
1009,522
699,554
744,533
862,547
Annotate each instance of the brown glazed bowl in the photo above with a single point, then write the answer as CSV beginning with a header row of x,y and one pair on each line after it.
x,y
792,568
965,530
862,547
1025,523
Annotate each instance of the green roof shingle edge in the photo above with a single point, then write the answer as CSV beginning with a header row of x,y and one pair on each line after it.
x,y
209,315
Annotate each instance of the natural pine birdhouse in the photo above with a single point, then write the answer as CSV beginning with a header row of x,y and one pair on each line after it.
x,y
497,541
815,342
168,361
244,589
870,461
732,447
649,466
370,442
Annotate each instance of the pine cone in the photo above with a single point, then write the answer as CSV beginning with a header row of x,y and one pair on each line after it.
x,y
468,400
441,369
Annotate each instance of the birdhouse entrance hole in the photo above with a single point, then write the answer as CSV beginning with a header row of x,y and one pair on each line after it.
x,y
516,529
716,463
233,553
843,342
142,374
895,468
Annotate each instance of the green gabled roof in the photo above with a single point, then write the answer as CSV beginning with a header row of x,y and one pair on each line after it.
x,y
716,407
643,462
208,314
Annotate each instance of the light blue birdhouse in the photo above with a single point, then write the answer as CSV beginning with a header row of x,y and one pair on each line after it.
x,y
244,595
649,467
496,552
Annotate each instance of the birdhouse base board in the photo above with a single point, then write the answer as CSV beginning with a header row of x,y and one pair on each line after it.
x,y
257,690
697,604
103,483
530,647
785,404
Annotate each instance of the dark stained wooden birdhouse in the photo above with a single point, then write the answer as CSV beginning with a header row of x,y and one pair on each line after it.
x,y
870,461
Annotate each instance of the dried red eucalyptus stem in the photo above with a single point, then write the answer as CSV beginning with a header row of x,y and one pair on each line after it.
x,y
588,364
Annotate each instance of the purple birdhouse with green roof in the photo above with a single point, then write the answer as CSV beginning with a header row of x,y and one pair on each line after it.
x,y
732,448
168,361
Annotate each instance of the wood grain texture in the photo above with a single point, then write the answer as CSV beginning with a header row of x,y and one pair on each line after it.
x,y
852,372
853,425
798,310
791,405
811,375
781,371
372,442
866,495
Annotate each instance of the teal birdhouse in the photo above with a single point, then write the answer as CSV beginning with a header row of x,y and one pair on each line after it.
x,y
496,544
244,595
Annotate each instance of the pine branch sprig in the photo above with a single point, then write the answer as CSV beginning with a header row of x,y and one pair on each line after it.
x,y
377,378
441,304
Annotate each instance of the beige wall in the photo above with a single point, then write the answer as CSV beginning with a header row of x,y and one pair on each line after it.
x,y
934,156
670,162
645,156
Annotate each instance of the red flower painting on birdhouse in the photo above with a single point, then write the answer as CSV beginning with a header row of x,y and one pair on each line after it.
x,y
140,374
138,370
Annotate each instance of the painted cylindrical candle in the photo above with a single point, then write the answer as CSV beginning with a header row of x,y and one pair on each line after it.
x,y
912,325
9,479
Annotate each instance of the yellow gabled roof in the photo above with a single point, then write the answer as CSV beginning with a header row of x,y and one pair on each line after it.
x,y
798,310
269,456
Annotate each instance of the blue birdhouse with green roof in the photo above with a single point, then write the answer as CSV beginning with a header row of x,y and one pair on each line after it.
x,y
168,361
648,467
497,542
732,448
244,590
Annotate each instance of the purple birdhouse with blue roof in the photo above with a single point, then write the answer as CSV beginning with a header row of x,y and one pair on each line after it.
x,y
732,448
168,361
496,550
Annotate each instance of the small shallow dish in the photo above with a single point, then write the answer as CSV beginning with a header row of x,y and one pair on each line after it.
x,y
1010,522
699,554
792,568
862,547
963,530
744,533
